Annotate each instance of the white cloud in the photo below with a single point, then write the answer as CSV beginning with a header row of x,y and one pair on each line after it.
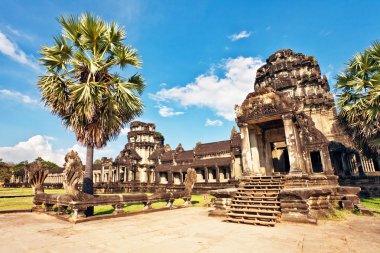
x,y
216,122
10,49
41,146
240,35
125,130
163,84
19,33
166,111
17,96
218,94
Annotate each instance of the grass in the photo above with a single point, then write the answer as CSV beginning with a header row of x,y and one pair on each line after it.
x,y
372,204
196,200
25,191
26,202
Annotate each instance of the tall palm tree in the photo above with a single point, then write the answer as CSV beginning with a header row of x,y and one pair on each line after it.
x,y
358,89
82,87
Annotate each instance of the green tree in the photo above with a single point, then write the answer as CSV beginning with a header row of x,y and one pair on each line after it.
x,y
81,84
358,88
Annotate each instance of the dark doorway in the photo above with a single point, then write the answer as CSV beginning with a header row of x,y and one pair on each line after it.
x,y
280,157
336,161
316,161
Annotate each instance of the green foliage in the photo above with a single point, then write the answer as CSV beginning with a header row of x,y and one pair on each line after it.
x,y
78,85
5,171
358,90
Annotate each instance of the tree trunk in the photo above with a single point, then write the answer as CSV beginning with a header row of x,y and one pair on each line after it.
x,y
88,184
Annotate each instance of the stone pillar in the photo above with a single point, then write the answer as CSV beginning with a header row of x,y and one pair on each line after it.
x,y
246,150
291,144
254,152
326,161
217,174
129,174
268,158
125,174
206,174
102,174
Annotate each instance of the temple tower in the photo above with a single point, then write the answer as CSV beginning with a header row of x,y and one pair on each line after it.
x,y
287,123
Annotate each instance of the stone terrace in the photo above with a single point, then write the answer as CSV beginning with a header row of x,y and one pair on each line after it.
x,y
184,230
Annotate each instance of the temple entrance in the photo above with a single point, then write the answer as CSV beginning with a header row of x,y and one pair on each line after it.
x,y
316,161
280,157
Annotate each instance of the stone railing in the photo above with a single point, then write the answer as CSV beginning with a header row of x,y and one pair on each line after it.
x,y
79,201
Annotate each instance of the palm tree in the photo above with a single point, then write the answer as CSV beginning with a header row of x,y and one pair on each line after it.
x,y
82,87
359,98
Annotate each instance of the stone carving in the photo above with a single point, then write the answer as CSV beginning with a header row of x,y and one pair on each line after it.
x,y
37,174
73,175
191,179
264,102
309,134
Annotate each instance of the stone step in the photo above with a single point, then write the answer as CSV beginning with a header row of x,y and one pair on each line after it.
x,y
252,222
260,216
253,211
256,198
258,194
257,206
263,186
253,202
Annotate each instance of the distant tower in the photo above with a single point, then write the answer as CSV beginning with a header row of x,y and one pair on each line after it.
x,y
144,139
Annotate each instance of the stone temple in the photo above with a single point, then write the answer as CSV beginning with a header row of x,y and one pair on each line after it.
x,y
288,133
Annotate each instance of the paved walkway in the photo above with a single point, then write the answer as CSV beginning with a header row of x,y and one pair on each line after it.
x,y
184,230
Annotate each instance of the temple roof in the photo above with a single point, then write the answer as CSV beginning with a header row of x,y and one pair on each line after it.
x,y
185,156
156,153
212,148
168,156
220,161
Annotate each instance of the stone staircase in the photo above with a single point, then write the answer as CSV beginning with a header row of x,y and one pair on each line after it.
x,y
256,201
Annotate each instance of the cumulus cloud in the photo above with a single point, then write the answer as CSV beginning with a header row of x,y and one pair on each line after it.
x,y
240,35
216,122
218,94
41,146
11,50
17,96
166,111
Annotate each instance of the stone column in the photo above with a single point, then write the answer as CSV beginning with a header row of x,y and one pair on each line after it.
x,y
326,161
268,158
246,150
291,144
102,174
217,174
254,152
125,174
206,174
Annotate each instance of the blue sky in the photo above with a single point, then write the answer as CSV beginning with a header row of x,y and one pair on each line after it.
x,y
199,59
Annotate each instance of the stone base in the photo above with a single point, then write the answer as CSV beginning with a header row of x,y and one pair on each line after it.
x,y
311,203
305,181
222,201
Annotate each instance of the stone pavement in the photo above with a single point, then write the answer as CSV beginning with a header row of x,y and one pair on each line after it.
x,y
184,230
